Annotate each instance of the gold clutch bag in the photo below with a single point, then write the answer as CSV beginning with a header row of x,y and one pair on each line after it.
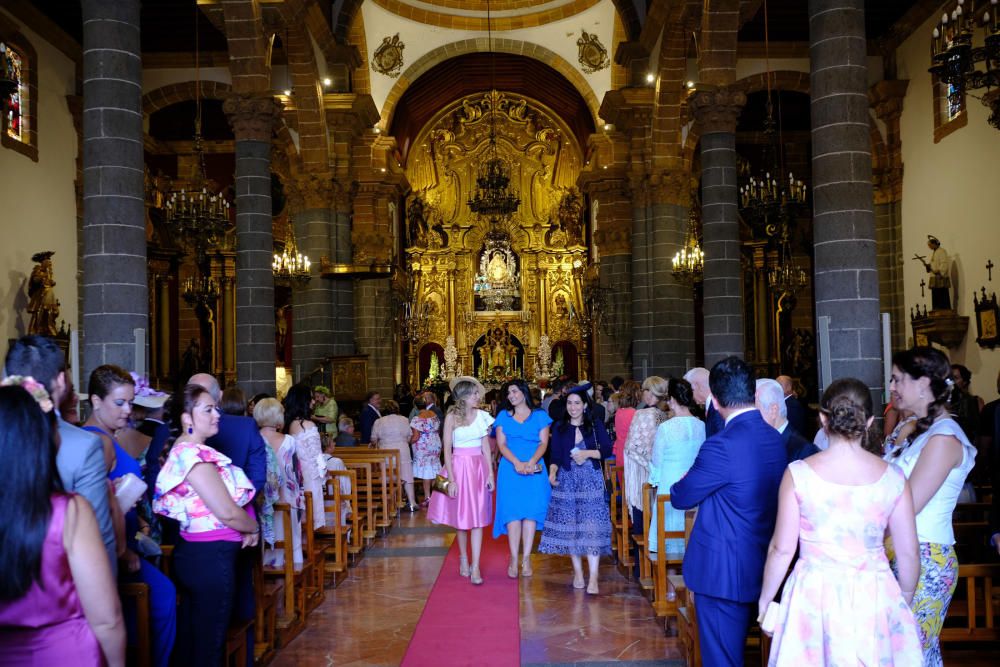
x,y
445,486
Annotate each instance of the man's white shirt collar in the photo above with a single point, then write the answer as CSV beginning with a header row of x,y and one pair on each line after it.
x,y
737,414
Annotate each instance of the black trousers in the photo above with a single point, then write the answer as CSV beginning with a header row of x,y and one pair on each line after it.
x,y
205,575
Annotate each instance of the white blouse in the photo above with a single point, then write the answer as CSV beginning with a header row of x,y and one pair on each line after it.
x,y
471,435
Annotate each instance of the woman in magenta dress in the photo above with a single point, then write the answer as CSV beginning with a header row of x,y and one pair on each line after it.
x,y
468,464
58,601
841,604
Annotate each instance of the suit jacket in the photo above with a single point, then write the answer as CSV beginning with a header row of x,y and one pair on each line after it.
x,y
734,483
80,461
369,416
714,422
240,440
796,446
797,416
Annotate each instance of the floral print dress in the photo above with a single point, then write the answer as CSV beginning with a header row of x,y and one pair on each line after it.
x,y
427,448
290,491
841,604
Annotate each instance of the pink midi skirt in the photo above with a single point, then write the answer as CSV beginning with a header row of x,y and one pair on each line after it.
x,y
473,506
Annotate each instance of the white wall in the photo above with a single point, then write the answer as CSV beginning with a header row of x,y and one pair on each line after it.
x,y
949,190
38,199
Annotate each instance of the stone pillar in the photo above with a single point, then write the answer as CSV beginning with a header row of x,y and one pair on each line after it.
x,y
717,111
846,280
611,225
114,282
342,332
253,120
886,98
313,305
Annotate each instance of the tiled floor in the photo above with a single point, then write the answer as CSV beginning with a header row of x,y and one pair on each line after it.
x,y
369,619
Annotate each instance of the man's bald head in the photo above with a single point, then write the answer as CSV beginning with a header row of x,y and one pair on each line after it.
x,y
786,383
698,379
208,383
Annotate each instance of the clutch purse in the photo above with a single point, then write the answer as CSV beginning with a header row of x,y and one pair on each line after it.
x,y
445,486
770,618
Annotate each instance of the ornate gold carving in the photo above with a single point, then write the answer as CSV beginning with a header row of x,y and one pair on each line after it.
x,y
717,110
252,118
592,55
311,191
388,57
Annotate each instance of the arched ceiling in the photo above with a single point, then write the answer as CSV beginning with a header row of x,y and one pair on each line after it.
x,y
472,73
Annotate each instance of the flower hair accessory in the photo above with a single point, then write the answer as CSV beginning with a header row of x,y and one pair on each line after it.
x,y
33,387
949,381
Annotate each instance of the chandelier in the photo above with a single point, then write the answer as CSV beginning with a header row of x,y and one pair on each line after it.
x,y
786,277
497,283
595,299
200,291
199,217
291,267
493,197
689,261
415,323
955,58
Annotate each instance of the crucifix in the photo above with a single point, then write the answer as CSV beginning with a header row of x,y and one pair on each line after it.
x,y
923,283
989,269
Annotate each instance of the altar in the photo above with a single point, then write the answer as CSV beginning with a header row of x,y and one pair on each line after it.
x,y
498,355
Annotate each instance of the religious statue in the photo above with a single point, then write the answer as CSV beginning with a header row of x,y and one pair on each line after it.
x,y
42,303
417,222
435,370
544,357
496,270
450,357
939,267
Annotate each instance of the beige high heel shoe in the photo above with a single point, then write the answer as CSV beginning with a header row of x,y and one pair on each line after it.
x,y
476,578
463,566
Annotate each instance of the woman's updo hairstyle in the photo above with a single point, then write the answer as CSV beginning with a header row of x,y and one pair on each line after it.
x,y
659,388
921,361
680,390
847,404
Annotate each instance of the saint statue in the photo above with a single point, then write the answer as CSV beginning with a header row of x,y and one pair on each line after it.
x,y
496,270
939,267
42,302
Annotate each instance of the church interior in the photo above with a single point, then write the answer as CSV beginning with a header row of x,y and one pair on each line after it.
x,y
380,195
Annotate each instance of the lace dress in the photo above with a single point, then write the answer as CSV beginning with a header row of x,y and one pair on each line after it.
x,y
309,450
841,604
639,451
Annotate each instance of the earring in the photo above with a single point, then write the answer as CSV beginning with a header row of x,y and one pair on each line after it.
x,y
190,430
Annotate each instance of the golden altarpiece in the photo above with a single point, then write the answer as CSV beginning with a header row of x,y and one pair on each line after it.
x,y
489,291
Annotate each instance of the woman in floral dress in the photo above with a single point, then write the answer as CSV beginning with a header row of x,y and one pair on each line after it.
x,y
284,482
426,441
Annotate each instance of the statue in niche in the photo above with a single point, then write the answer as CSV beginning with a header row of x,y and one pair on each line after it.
x,y
571,216
416,222
560,305
42,303
496,269
939,267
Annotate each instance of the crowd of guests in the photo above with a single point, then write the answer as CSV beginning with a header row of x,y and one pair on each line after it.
x,y
866,520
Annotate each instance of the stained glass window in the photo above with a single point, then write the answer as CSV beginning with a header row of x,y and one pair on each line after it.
x,y
954,101
14,66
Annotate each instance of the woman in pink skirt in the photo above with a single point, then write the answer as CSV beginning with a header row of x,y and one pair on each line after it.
x,y
468,464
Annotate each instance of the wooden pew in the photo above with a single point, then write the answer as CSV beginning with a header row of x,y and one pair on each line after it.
x,y
974,614
365,508
266,595
664,600
294,577
313,553
141,654
622,524
336,535
382,499
610,482
645,574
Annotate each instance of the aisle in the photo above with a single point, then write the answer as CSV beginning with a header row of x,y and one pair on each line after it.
x,y
370,618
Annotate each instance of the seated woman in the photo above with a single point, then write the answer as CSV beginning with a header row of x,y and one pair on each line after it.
x,y
58,603
210,497
286,483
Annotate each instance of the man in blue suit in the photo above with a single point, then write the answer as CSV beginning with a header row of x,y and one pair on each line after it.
x,y
734,483
771,404
369,415
239,438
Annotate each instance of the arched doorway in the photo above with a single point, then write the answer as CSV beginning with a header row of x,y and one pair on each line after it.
x,y
565,352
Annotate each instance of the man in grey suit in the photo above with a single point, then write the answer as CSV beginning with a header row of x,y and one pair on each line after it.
x,y
80,458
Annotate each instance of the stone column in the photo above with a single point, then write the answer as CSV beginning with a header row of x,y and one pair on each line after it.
x,y
253,120
886,98
114,284
611,222
846,280
342,332
313,305
717,111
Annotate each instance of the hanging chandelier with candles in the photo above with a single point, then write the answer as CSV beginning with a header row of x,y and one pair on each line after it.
x,y
291,267
689,262
964,60
199,216
786,277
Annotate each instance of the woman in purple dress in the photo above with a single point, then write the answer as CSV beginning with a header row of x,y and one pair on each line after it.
x,y
58,602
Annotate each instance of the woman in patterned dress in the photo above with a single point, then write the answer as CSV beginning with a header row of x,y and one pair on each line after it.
x,y
284,483
426,441
639,444
936,457
308,447
841,605
579,520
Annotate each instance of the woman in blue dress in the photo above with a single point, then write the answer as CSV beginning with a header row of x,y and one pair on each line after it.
x,y
522,433
579,520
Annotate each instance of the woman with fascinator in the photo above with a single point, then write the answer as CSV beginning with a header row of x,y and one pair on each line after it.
x,y
936,457
578,523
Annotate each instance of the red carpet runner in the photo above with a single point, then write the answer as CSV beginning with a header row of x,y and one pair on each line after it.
x,y
464,624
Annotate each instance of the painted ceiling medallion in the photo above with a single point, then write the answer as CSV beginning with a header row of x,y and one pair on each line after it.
x,y
593,56
388,57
